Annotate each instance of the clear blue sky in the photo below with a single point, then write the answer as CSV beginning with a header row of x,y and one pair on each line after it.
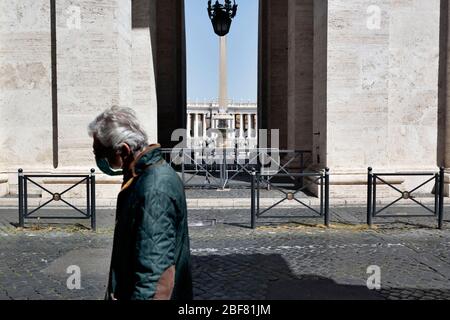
x,y
202,50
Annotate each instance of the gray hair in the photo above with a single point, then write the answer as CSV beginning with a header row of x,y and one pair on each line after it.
x,y
116,126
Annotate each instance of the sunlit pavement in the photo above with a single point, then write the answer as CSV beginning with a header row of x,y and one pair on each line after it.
x,y
286,257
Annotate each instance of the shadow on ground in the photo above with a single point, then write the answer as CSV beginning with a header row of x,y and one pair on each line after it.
x,y
258,276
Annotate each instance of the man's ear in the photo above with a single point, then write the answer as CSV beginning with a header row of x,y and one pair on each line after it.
x,y
125,151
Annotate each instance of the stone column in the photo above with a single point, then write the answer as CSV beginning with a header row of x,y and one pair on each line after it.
x,y
241,125
233,126
188,126
365,110
196,126
170,68
300,75
249,125
25,88
256,127
92,78
444,94
204,125
273,66
143,86
223,79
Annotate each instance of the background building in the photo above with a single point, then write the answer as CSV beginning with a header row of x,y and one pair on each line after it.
x,y
244,124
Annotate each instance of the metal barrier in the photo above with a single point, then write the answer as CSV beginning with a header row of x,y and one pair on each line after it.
x,y
436,212
231,167
322,177
23,197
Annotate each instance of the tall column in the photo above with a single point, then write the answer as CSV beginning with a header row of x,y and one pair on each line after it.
x,y
143,86
223,86
170,67
204,125
249,125
360,70
256,127
300,75
444,93
26,121
233,126
241,126
188,126
196,123
273,66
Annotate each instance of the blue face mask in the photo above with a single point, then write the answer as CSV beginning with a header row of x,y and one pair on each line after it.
x,y
104,166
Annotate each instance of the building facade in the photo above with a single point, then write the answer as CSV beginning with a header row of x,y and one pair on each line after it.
x,y
202,126
359,83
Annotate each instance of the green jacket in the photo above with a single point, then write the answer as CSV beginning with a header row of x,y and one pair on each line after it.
x,y
151,256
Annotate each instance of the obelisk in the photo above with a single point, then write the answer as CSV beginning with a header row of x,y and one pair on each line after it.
x,y
223,89
223,118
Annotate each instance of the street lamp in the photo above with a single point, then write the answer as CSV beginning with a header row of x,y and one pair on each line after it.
x,y
221,16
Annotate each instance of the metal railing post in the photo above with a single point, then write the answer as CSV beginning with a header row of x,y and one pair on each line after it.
x,y
88,196
252,206
20,196
436,194
441,197
25,196
258,178
374,196
93,213
369,197
322,194
327,197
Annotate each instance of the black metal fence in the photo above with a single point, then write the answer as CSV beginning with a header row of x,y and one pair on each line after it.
x,y
88,180
375,179
221,168
290,193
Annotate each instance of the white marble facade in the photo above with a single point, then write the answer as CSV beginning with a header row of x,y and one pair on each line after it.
x,y
242,126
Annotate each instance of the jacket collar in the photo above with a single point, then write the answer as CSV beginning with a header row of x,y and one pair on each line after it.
x,y
148,157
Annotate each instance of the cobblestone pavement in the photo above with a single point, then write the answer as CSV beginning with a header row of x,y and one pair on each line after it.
x,y
284,258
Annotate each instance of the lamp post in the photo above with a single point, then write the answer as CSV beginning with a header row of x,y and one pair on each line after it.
x,y
221,16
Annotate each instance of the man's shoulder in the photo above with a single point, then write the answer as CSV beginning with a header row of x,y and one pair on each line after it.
x,y
161,179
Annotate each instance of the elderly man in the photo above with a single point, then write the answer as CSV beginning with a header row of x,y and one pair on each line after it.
x,y
150,256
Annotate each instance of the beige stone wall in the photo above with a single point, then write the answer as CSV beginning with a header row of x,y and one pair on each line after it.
x,y
94,71
102,60
382,85
25,85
